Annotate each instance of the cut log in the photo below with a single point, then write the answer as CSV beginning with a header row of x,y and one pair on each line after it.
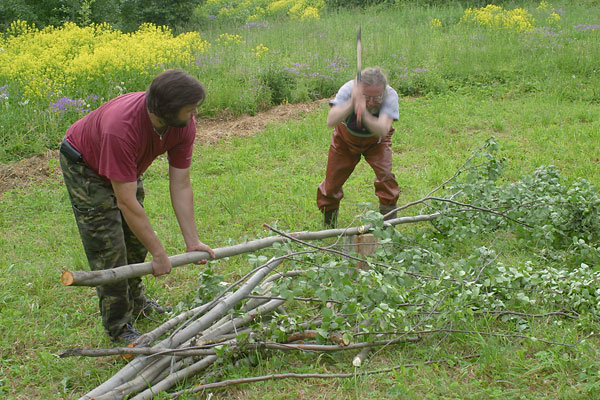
x,y
364,245
361,356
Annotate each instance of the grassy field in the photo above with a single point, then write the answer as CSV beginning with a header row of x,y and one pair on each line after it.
x,y
536,93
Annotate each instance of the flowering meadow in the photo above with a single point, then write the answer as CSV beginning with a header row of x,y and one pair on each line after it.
x,y
256,54
258,10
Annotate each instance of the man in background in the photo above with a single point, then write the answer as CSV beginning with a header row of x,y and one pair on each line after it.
x,y
369,135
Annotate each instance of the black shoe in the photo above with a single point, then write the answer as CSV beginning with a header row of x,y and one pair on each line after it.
x,y
330,218
127,336
383,209
147,307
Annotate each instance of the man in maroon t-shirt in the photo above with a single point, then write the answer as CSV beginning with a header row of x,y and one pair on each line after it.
x,y
103,157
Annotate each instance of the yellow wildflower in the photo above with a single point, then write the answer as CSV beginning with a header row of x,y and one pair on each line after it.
x,y
544,6
259,50
553,18
310,13
495,17
435,23
54,60
228,38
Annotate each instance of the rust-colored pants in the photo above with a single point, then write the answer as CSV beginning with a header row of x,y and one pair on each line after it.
x,y
344,153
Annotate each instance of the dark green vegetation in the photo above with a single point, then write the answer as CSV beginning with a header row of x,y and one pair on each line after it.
x,y
126,15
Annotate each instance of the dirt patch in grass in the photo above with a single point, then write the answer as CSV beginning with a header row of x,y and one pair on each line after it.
x,y
29,171
212,130
40,168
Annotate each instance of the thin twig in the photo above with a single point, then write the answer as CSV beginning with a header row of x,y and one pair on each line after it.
x,y
467,332
232,382
482,209
307,299
281,233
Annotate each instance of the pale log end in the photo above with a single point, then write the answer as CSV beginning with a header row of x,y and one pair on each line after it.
x,y
67,278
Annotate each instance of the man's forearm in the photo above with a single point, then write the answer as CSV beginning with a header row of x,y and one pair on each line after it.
x,y
138,222
379,126
338,113
182,200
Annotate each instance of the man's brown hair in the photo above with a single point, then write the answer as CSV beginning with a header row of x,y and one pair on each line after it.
x,y
171,90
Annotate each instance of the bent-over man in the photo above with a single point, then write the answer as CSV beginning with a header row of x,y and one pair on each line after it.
x,y
370,136
103,157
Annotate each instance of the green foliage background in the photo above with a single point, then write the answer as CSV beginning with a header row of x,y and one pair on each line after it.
x,y
126,15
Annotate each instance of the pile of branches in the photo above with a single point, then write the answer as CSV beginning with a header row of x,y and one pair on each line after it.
x,y
332,298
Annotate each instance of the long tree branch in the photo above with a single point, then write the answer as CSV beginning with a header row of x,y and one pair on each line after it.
x,y
101,277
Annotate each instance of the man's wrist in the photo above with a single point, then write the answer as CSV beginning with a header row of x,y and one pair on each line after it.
x,y
159,254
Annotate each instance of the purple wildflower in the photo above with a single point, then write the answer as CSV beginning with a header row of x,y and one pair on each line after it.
x,y
256,24
65,104
548,31
584,27
203,60
4,92
212,16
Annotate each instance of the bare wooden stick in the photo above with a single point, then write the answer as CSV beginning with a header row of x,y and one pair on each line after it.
x,y
238,322
150,337
335,337
202,348
175,377
139,382
134,368
326,348
361,356
101,277
114,351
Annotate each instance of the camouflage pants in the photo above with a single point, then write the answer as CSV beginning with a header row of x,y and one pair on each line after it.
x,y
107,240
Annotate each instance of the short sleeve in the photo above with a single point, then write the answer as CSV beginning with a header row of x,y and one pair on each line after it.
x,y
343,95
180,155
390,106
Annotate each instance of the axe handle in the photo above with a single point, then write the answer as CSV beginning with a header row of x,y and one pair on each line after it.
x,y
358,68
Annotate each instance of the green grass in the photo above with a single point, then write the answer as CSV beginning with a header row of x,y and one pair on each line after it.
x,y
272,178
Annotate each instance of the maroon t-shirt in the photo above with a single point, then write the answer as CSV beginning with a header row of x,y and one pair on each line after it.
x,y
118,142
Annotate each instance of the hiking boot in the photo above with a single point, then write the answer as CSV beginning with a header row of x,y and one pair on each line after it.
x,y
384,209
147,307
330,218
128,335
